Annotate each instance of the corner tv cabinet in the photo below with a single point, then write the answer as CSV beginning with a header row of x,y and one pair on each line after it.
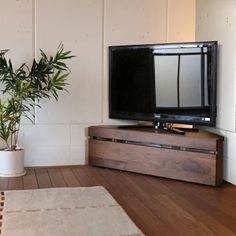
x,y
193,157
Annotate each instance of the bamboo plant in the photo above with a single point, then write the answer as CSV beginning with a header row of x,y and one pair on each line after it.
x,y
25,86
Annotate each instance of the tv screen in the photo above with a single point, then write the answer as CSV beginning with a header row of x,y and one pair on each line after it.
x,y
169,83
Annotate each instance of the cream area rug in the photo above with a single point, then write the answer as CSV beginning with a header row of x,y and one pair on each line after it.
x,y
80,211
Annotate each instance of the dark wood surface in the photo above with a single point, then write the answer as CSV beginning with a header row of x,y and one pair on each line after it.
x,y
158,206
187,166
199,140
194,157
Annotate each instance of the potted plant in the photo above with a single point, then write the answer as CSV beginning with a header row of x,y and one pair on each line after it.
x,y
22,89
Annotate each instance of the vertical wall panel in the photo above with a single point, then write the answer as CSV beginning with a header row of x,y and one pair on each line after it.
x,y
181,21
78,24
216,20
135,21
17,29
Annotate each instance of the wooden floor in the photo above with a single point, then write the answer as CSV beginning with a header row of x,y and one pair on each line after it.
x,y
158,206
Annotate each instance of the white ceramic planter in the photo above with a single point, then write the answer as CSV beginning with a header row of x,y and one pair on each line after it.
x,y
12,163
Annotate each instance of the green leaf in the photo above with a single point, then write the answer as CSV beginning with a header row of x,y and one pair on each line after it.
x,y
26,85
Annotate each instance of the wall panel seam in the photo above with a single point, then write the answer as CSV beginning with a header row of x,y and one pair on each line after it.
x,y
34,48
103,57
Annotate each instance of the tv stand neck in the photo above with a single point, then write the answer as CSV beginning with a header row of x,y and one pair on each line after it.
x,y
157,126
165,127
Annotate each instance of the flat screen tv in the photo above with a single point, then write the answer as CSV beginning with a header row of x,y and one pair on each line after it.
x,y
167,83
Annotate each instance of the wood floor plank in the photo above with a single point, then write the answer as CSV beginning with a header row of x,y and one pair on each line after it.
x,y
95,174
182,197
109,176
166,208
158,206
163,207
4,183
15,183
165,213
43,178
56,177
135,208
229,189
82,177
219,221
144,218
217,199
29,180
104,177
69,177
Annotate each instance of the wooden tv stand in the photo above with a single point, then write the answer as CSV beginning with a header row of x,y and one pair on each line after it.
x,y
193,157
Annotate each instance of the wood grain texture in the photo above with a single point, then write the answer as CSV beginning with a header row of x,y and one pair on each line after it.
x,y
43,178
15,183
197,140
56,177
219,162
158,206
186,166
69,177
29,180
191,165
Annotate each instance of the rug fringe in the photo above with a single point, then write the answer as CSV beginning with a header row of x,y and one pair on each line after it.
x,y
2,200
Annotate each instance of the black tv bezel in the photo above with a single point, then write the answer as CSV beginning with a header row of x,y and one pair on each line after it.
x,y
162,117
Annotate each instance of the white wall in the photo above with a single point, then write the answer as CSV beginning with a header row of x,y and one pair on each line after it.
x,y
87,27
181,20
216,20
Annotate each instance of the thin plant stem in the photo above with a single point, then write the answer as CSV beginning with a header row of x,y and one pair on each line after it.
x,y
11,141
7,144
25,85
17,135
